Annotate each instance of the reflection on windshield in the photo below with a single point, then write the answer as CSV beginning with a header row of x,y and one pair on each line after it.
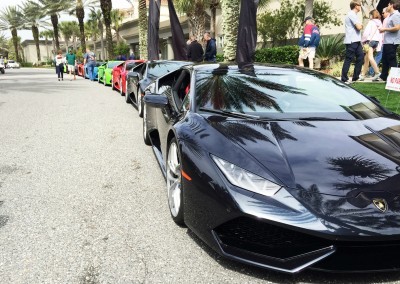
x,y
280,92
114,63
159,69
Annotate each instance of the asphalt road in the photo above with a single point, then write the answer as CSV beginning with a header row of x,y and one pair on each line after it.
x,y
82,199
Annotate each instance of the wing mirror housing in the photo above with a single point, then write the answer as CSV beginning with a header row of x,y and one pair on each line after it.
x,y
156,101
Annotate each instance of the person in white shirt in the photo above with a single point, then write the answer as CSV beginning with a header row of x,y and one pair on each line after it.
x,y
352,40
60,61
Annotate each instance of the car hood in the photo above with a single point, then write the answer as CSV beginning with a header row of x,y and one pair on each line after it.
x,y
334,168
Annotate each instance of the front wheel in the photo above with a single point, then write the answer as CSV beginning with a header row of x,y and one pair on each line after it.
x,y
112,84
104,80
174,183
2,71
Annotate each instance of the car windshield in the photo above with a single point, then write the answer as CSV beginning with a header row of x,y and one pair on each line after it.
x,y
112,64
99,63
130,65
11,61
280,93
158,69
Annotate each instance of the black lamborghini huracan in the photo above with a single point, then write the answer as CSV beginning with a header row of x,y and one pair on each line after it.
x,y
277,166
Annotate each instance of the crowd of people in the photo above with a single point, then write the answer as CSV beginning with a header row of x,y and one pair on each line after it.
x,y
370,46
378,37
195,50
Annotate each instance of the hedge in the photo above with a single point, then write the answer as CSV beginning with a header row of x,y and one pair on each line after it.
x,y
288,54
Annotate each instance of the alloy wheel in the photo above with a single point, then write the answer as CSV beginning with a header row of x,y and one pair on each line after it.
x,y
174,180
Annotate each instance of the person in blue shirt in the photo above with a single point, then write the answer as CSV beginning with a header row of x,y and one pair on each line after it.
x,y
210,53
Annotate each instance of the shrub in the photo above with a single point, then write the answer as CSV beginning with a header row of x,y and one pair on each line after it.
x,y
279,55
220,57
26,64
329,48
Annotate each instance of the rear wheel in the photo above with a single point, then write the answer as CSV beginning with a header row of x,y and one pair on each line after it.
x,y
120,87
127,97
174,183
146,136
139,101
2,71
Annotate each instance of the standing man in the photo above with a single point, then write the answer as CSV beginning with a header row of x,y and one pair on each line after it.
x,y
391,39
90,60
352,40
378,56
211,48
71,61
309,42
194,50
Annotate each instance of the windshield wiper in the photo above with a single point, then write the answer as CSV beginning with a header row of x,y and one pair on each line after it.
x,y
321,118
229,113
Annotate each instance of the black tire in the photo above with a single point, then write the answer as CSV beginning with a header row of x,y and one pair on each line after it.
x,y
173,167
139,103
112,84
2,71
127,94
120,87
146,137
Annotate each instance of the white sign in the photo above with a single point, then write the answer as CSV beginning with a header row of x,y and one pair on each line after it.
x,y
393,80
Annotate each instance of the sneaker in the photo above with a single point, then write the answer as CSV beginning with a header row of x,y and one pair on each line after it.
x,y
347,82
376,77
361,78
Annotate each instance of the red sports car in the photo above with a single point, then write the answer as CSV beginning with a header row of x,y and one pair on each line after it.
x,y
119,73
81,69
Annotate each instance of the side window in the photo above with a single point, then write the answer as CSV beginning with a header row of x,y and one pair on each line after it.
x,y
182,89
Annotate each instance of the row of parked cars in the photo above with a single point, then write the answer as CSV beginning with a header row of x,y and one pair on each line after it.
x,y
10,64
279,167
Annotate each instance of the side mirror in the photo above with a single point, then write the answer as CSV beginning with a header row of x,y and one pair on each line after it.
x,y
156,101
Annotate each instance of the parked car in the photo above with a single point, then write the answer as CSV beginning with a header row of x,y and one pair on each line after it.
x,y
2,66
143,75
104,71
279,167
80,69
95,70
12,64
119,75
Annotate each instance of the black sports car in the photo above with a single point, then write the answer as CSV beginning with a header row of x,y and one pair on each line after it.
x,y
279,167
143,75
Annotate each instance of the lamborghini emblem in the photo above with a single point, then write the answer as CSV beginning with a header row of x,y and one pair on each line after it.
x,y
380,204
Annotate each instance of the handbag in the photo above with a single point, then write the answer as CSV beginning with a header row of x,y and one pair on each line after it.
x,y
365,47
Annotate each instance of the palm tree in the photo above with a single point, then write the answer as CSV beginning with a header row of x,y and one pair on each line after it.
x,y
75,33
116,20
53,8
230,14
66,30
11,18
97,17
309,8
214,4
93,32
46,34
196,13
106,7
33,17
143,24
79,10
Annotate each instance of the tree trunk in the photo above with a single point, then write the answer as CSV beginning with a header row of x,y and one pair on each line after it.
x,y
47,48
309,8
15,43
35,33
198,20
230,14
106,7
102,42
80,14
143,25
54,22
213,8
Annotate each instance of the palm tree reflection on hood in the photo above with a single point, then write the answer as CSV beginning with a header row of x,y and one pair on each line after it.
x,y
230,89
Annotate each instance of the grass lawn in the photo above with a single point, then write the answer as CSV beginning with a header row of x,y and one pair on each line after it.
x,y
378,91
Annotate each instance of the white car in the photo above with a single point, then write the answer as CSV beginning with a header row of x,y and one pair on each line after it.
x,y
12,64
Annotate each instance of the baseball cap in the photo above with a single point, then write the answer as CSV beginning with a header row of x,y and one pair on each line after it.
x,y
307,18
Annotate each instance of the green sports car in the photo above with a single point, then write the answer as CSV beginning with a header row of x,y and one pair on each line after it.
x,y
105,72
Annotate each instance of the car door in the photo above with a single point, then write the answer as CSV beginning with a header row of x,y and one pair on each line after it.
x,y
175,87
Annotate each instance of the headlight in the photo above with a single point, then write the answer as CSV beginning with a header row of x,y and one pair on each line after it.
x,y
246,180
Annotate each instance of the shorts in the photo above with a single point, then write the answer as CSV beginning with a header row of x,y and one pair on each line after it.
x,y
308,52
71,68
374,44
